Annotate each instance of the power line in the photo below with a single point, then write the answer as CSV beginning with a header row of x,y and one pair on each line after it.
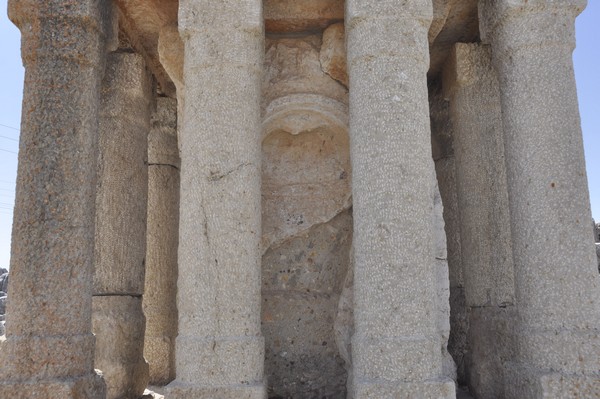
x,y
10,127
9,138
11,152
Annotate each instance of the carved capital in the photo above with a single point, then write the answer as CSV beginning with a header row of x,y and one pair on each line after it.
x,y
200,16
72,29
421,10
513,24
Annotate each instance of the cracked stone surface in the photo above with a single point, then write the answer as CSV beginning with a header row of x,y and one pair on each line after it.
x,y
302,280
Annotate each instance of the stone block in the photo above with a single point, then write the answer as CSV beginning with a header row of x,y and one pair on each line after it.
x,y
293,66
524,382
219,361
316,261
390,359
311,171
419,9
301,16
119,323
301,355
90,386
490,344
333,53
159,300
159,352
442,389
177,390
171,54
34,358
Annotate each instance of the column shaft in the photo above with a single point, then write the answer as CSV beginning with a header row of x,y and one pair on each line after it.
x,y
556,279
471,85
219,349
121,203
160,292
49,350
396,347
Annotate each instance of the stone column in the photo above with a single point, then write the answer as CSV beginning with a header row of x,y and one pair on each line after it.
x,y
471,85
121,203
49,351
160,291
219,349
396,348
556,281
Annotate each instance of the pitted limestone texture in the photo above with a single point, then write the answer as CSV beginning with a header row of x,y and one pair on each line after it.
x,y
305,178
118,322
160,289
302,280
333,53
293,66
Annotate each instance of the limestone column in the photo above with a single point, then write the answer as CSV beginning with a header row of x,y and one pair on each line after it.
x,y
471,85
556,281
49,351
121,203
396,348
160,290
219,349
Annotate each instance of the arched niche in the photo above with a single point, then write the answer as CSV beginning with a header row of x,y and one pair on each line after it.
x,y
306,173
307,235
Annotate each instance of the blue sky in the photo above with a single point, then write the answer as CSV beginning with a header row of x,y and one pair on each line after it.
x,y
587,59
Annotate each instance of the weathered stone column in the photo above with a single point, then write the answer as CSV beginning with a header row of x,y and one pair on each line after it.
x,y
471,85
121,203
396,347
49,350
556,281
160,292
219,349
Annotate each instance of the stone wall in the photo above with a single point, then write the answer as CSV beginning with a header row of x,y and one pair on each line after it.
x,y
306,212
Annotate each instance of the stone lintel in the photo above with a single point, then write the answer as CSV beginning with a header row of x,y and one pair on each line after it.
x,y
289,16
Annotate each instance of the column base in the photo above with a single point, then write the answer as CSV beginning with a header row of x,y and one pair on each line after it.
x,y
91,386
159,352
525,382
441,389
177,390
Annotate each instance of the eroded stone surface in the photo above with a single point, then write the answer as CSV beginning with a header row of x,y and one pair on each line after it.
x,y
306,173
306,180
333,53
162,239
302,282
301,16
293,66
118,322
122,189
